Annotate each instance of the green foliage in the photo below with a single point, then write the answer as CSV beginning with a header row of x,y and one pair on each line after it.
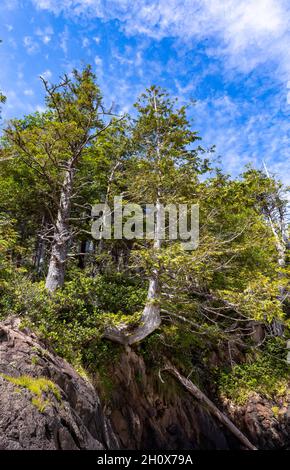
x,y
118,293
8,239
267,374
208,296
72,320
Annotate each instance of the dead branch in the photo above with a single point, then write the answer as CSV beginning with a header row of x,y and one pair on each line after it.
x,y
200,396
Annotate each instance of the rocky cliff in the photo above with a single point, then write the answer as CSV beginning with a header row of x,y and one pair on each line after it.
x,y
63,412
46,404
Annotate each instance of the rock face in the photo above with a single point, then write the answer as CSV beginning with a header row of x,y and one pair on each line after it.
x,y
149,414
76,421
143,411
267,423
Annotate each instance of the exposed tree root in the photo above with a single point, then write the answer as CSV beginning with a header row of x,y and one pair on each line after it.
x,y
149,321
125,335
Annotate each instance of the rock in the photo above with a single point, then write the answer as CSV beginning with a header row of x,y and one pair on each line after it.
x,y
143,411
138,415
146,414
264,427
73,421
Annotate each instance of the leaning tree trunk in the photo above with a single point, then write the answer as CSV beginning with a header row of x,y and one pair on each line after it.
x,y
202,398
62,234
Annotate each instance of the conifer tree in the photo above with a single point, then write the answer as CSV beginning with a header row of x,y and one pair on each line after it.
x,y
54,144
163,159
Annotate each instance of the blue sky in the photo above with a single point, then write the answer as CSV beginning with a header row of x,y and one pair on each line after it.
x,y
231,56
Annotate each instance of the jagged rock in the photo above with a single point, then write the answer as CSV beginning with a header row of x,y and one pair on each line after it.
x,y
266,422
140,413
146,414
76,421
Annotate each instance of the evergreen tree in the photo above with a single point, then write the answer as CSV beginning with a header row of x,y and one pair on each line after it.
x,y
53,145
163,159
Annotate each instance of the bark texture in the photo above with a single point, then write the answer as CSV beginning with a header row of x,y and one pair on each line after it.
x,y
62,234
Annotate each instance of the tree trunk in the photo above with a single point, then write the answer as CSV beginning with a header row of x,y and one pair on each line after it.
x,y
199,395
150,319
40,248
62,234
280,232
82,254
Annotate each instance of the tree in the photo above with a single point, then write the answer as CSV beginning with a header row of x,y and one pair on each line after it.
x,y
230,280
53,145
163,157
270,200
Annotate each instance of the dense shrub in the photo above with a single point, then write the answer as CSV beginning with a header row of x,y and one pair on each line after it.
x,y
267,374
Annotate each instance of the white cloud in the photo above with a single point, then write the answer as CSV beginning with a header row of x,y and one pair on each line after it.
x,y
10,4
30,45
15,102
99,67
85,42
28,92
249,32
98,61
245,132
45,34
40,109
64,38
46,74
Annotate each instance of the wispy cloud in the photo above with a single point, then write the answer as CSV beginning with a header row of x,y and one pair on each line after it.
x,y
230,55
47,74
244,133
28,92
85,42
249,32
30,45
99,66
44,34
64,38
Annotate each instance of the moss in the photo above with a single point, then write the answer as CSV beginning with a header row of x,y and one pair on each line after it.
x,y
139,377
34,360
106,385
82,372
38,388
40,404
275,410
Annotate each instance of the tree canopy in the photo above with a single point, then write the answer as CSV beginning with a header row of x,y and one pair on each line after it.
x,y
229,293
